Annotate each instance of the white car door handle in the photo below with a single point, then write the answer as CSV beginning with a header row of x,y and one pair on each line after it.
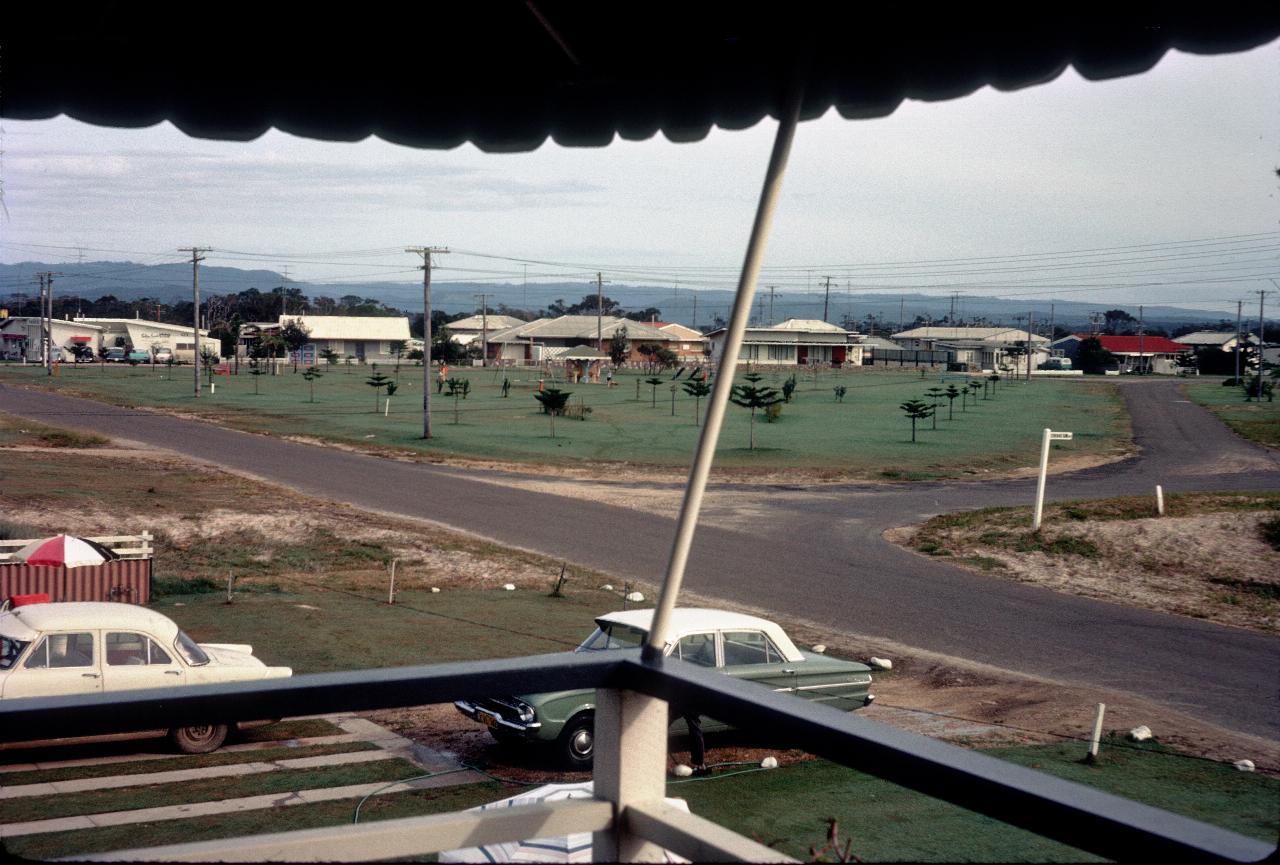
x,y
89,675
173,672
788,671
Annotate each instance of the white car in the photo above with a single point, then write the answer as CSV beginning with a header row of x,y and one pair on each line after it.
x,y
55,649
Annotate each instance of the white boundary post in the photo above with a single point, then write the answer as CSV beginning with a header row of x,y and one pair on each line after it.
x,y
1159,501
1044,471
1097,732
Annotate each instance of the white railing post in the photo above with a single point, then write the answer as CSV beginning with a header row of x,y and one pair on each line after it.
x,y
630,766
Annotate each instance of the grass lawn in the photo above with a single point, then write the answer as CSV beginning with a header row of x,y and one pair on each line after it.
x,y
889,823
865,435
319,630
1257,421
384,807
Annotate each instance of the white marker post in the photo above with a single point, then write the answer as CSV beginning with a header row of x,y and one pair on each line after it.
x,y
1159,501
1097,733
1049,436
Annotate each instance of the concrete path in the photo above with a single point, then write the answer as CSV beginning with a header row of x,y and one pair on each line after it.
x,y
444,772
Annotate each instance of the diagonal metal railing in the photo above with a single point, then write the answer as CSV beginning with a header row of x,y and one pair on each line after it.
x,y
1065,811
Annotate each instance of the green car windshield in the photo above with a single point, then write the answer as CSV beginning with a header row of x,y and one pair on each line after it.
x,y
611,636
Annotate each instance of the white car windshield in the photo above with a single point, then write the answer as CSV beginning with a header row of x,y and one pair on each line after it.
x,y
10,650
190,650
610,636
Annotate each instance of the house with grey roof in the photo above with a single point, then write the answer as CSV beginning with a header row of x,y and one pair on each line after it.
x,y
980,347
547,338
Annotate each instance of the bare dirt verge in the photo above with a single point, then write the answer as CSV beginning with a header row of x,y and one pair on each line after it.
x,y
1207,558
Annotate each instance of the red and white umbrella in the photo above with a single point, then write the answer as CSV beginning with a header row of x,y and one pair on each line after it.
x,y
65,550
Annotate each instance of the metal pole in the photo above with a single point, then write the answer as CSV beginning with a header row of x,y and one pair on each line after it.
x,y
195,324
599,311
1239,307
1140,342
195,311
1044,471
701,468
425,252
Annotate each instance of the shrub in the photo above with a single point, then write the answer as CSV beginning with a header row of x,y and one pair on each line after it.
x,y
773,412
1270,530
11,531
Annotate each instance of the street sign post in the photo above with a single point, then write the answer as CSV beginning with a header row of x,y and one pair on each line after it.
x,y
1049,436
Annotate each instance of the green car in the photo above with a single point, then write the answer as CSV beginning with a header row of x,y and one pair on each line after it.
x,y
736,644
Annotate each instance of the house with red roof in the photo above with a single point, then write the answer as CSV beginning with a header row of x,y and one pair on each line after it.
x,y
1154,354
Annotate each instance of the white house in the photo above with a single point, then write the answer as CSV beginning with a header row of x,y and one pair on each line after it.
x,y
467,330
21,338
797,341
140,334
367,338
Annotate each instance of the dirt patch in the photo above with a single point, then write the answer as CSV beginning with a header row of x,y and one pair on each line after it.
x,y
1214,566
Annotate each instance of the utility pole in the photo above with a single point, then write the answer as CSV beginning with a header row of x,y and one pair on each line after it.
x,y
902,304
951,319
1239,308
1052,324
484,330
284,286
695,310
524,289
196,258
1262,296
599,311
44,325
1140,341
826,300
771,290
1031,323
426,253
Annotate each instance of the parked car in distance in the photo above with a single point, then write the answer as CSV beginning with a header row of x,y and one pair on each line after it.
x,y
736,644
57,649
164,355
115,355
138,356
82,353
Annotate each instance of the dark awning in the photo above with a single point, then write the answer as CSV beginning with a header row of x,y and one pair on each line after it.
x,y
507,75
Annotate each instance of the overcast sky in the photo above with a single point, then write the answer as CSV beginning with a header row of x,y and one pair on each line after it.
x,y
1175,167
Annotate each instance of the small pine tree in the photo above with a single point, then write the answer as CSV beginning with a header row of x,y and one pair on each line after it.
x,y
753,396
553,403
698,390
312,373
951,393
377,381
916,410
935,394
653,383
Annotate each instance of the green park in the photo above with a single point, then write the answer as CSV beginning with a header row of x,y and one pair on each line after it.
x,y
830,423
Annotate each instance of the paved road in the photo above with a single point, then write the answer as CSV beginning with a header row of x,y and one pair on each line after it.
x,y
822,558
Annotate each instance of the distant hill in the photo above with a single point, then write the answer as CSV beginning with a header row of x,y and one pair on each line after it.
x,y
171,283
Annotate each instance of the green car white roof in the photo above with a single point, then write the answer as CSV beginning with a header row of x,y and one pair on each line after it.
x,y
694,620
